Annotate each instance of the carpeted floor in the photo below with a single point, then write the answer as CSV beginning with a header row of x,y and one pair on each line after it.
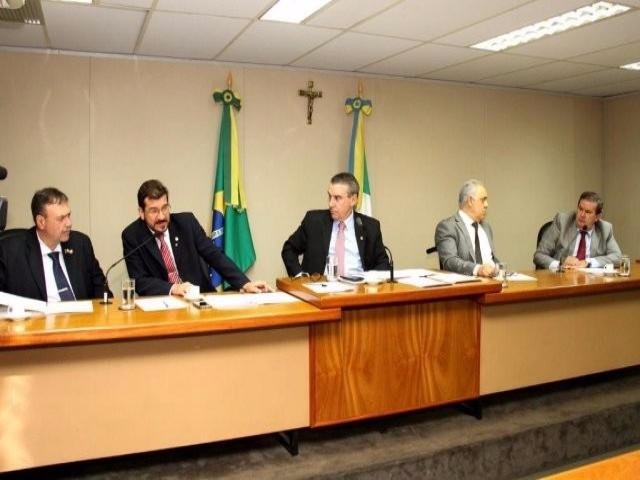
x,y
521,433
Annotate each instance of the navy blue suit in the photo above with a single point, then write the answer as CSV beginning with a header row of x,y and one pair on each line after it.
x,y
193,252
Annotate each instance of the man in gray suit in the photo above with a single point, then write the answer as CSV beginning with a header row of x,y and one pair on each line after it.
x,y
465,240
578,239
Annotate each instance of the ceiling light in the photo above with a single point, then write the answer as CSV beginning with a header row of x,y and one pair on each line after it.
x,y
631,66
293,11
553,25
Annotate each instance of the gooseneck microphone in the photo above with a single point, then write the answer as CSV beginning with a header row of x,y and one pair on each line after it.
x,y
105,294
391,279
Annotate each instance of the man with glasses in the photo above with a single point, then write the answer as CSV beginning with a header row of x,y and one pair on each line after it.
x,y
168,252
465,240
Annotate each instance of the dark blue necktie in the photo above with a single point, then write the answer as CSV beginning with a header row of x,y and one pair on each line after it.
x,y
64,289
477,244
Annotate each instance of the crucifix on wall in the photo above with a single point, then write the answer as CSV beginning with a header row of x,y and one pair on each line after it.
x,y
311,95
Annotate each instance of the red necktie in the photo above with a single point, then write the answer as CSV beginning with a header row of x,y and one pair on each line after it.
x,y
582,246
340,248
172,271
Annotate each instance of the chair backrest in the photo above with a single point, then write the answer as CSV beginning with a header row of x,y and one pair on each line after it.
x,y
11,232
430,250
543,229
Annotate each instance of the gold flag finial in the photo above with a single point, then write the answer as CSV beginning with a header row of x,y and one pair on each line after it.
x,y
360,88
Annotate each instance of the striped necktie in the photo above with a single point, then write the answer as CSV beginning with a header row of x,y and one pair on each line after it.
x,y
170,265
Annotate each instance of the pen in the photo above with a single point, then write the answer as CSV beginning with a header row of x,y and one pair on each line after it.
x,y
166,305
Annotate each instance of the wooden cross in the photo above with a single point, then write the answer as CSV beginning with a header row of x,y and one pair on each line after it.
x,y
311,96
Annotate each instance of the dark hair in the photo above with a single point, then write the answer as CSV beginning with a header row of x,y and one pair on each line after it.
x,y
595,198
46,196
349,180
153,189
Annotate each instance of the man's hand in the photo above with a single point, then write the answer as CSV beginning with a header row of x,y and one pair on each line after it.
x,y
180,289
256,287
487,270
573,262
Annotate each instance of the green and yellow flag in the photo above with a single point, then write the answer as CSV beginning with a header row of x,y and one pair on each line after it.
x,y
357,151
230,225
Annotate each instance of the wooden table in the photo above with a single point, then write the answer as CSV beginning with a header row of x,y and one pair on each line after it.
x,y
561,326
82,386
397,348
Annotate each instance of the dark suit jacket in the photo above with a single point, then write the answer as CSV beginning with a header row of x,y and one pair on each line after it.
x,y
312,238
193,252
456,249
559,240
22,272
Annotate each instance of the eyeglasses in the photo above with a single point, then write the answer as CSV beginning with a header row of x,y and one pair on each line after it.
x,y
154,212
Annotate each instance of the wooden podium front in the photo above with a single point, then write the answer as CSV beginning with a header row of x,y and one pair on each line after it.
x,y
397,348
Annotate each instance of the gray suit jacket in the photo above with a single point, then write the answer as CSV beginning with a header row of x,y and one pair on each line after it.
x,y
559,240
456,248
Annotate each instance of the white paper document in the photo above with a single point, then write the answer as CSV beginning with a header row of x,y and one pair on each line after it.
x,y
401,273
329,287
156,304
241,300
453,278
421,282
23,303
520,277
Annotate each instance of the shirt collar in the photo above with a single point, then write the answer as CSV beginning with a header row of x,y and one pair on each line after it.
x,y
466,218
348,222
44,249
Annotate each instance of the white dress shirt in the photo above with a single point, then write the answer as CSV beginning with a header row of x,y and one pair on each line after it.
x,y
587,243
485,247
49,278
352,260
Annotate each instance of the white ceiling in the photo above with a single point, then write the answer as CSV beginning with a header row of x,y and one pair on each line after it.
x,y
426,39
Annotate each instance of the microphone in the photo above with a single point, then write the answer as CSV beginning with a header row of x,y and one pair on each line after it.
x,y
3,173
391,279
105,294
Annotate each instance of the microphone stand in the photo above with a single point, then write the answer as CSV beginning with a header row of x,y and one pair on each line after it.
x,y
391,278
105,292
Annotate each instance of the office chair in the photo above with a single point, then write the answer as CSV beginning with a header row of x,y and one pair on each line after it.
x,y
543,229
430,250
11,232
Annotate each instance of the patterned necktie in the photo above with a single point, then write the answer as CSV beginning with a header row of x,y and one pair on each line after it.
x,y
582,246
477,244
172,271
340,247
64,289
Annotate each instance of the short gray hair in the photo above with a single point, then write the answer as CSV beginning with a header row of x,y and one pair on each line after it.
x,y
346,178
468,190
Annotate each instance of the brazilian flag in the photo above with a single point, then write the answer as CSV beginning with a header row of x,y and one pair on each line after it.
x,y
230,227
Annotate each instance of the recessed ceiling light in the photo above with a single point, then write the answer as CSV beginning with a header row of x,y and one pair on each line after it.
x,y
631,66
293,11
575,18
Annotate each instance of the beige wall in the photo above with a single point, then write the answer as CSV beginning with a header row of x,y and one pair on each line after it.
x,y
96,127
622,175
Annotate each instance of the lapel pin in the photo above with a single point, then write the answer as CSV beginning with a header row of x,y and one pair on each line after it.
x,y
68,251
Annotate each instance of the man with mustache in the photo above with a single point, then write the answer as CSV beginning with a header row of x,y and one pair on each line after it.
x,y
50,261
179,254
465,240
317,236
578,239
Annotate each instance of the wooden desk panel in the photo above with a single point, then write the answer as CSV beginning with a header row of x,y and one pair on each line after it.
x,y
397,348
388,359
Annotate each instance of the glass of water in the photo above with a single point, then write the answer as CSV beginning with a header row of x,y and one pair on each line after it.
x,y
503,274
128,294
625,266
332,268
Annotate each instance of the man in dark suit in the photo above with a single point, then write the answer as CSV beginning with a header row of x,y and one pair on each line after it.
x,y
578,239
465,240
179,254
317,235
49,261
